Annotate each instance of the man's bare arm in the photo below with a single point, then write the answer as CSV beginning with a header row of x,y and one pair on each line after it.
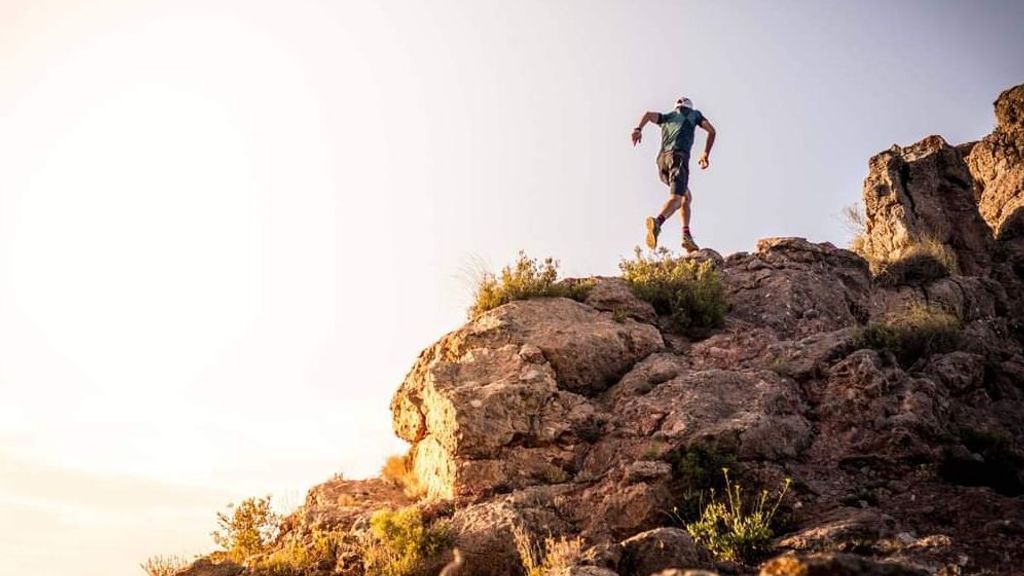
x,y
703,162
647,117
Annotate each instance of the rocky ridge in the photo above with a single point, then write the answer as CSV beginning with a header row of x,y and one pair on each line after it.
x,y
562,417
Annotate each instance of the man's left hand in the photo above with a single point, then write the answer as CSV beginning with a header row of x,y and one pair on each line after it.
x,y
703,162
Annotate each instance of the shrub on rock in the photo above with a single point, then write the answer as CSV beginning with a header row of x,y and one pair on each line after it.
x,y
526,279
689,292
917,332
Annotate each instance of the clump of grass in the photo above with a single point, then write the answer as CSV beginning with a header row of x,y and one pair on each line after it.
x,y
689,292
398,470
917,332
733,531
247,529
919,262
548,557
528,278
164,565
399,542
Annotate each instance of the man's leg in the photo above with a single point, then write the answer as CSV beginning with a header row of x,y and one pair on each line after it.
x,y
684,213
654,224
671,205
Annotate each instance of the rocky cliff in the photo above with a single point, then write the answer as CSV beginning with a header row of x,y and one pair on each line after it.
x,y
588,418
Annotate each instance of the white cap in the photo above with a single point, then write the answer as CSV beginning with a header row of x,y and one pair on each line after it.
x,y
684,102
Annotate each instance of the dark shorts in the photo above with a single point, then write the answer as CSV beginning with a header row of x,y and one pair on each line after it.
x,y
674,170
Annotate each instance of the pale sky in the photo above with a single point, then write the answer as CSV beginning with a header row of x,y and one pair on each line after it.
x,y
227,228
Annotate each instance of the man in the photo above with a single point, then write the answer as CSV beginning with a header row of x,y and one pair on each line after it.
x,y
677,128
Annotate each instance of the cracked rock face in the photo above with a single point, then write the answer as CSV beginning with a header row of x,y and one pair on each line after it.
x,y
995,162
925,191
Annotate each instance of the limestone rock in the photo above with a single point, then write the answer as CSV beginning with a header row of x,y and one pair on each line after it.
x,y
614,295
754,414
924,191
659,549
870,408
797,288
998,170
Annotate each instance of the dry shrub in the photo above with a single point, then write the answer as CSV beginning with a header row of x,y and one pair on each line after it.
x,y
552,555
247,529
165,565
920,259
398,470
917,263
528,278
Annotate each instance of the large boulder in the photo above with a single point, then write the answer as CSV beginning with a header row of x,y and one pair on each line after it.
x,y
998,170
796,288
869,408
659,549
501,403
925,192
754,414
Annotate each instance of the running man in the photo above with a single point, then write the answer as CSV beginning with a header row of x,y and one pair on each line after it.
x,y
677,128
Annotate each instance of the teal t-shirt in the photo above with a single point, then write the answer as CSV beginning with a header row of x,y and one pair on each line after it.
x,y
677,129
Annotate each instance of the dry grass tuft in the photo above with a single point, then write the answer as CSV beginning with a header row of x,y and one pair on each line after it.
x,y
552,555
165,565
398,470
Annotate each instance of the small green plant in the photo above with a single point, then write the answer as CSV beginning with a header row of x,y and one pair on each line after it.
x,y
620,315
526,279
548,557
730,530
917,332
555,475
781,366
399,542
689,292
247,529
164,565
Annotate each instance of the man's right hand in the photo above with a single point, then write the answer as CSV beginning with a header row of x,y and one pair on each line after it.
x,y
636,136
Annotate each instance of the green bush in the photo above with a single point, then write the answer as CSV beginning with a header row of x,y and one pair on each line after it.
x,y
399,542
917,332
689,292
247,529
733,532
527,279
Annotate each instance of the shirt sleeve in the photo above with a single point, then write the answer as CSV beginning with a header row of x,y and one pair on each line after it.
x,y
700,118
661,118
